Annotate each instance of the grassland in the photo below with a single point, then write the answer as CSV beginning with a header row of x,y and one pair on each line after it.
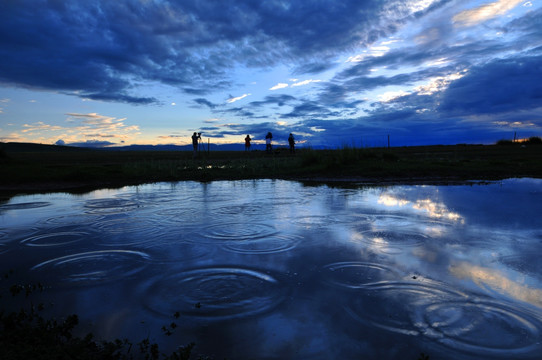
x,y
28,168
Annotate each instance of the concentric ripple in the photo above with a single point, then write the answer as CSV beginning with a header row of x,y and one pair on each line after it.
x,y
266,245
24,206
215,293
80,219
111,206
359,275
392,238
94,267
178,212
389,221
527,264
169,250
280,201
238,231
393,306
158,196
55,238
320,221
129,230
483,327
242,209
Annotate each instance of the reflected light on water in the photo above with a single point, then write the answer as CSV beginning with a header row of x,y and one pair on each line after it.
x,y
434,210
389,200
497,281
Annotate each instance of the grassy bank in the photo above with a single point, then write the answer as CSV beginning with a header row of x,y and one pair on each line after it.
x,y
44,168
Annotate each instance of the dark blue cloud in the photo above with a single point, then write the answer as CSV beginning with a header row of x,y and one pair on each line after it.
x,y
205,102
314,67
240,112
101,49
529,26
279,100
503,85
310,109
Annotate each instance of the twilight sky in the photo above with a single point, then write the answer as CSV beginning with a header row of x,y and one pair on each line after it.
x,y
333,72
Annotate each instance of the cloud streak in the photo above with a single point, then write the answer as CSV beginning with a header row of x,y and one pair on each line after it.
x,y
485,12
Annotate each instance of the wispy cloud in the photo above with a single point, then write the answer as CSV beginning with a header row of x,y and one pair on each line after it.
x,y
485,12
234,99
40,127
306,82
92,126
3,101
205,102
12,137
279,86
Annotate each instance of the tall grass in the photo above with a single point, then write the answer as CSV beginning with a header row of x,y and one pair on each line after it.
x,y
347,157
34,169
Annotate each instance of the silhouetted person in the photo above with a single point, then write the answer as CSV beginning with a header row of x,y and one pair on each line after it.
x,y
195,138
268,138
247,143
291,142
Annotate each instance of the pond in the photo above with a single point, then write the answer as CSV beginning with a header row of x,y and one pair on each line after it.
x,y
278,269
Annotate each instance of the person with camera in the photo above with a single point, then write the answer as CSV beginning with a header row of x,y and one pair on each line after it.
x,y
268,139
247,143
291,142
195,138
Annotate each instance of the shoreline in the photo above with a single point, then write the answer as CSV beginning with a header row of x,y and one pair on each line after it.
x,y
80,187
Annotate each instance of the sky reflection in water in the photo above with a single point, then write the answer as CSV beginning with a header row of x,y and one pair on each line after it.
x,y
276,269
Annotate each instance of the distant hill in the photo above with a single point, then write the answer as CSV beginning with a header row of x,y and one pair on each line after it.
x,y
14,147
214,147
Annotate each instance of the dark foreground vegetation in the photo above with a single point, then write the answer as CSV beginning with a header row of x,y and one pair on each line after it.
x,y
27,333
38,168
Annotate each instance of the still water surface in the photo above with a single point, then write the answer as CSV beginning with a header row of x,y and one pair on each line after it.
x,y
277,270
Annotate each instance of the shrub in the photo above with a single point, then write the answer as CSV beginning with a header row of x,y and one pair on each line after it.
x,y
28,334
505,142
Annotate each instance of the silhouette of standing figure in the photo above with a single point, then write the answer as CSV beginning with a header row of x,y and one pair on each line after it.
x,y
195,138
291,142
247,143
268,138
